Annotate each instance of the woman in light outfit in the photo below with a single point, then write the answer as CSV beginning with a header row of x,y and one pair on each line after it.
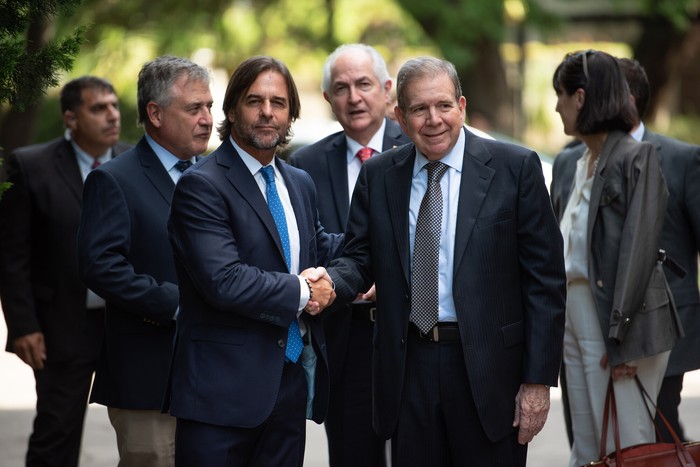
x,y
610,198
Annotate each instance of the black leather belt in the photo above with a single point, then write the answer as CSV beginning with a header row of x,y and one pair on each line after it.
x,y
363,311
441,332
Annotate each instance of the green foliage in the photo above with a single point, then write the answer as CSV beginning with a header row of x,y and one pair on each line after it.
x,y
27,69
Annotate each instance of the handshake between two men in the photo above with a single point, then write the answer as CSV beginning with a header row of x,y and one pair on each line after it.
x,y
322,290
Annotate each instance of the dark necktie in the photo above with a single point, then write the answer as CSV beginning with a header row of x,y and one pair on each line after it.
x,y
426,252
294,342
364,154
95,164
183,165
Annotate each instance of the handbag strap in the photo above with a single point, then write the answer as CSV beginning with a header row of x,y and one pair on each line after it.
x,y
610,412
683,454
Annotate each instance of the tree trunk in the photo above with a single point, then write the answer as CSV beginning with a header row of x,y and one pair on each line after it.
x,y
489,99
659,51
19,128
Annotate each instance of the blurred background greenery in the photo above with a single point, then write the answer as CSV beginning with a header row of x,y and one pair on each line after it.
x,y
505,51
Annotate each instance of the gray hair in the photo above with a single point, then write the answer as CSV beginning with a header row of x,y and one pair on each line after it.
x,y
421,67
378,64
157,78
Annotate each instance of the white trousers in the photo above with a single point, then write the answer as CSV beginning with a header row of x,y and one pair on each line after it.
x,y
587,382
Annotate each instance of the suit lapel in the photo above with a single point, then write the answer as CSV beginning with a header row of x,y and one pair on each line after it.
x,y
475,182
295,197
397,185
599,180
66,165
154,171
338,174
242,180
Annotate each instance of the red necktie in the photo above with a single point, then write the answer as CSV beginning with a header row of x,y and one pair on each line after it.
x,y
95,164
364,154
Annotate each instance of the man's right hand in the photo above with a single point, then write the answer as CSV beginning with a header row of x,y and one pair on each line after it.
x,y
31,349
323,292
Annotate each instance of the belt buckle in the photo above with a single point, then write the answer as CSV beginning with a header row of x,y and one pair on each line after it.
x,y
435,334
373,314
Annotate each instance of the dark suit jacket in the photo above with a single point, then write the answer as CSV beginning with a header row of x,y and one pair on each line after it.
x,y
39,282
680,236
326,162
125,257
237,300
509,284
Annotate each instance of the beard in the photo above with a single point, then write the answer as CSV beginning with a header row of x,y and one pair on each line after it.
x,y
259,140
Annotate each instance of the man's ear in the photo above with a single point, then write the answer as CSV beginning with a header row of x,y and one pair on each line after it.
x,y
69,119
155,114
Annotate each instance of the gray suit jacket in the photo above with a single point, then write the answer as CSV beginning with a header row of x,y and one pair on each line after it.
x,y
628,201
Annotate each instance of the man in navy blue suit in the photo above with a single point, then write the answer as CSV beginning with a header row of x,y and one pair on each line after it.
x,y
245,231
126,258
356,84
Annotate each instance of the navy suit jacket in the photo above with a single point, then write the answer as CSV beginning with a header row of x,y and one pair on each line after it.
x,y
125,257
39,283
237,299
326,162
509,282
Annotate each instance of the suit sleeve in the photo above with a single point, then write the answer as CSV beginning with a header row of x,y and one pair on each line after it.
x,y
16,253
543,280
104,245
351,273
647,197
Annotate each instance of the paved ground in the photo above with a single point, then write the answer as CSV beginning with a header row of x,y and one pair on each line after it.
x,y
17,398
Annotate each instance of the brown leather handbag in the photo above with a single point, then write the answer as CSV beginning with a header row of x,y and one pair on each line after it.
x,y
675,454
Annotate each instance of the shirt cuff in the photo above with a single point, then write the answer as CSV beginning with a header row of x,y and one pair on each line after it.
x,y
304,294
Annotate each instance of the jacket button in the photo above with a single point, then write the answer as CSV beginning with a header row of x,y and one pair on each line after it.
x,y
281,343
599,283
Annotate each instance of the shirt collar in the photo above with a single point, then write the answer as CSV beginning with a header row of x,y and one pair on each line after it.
x,y
376,143
166,157
252,163
638,133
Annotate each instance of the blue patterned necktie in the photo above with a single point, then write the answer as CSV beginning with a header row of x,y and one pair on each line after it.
x,y
294,342
426,252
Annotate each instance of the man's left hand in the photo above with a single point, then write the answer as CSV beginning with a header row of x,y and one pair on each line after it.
x,y
531,409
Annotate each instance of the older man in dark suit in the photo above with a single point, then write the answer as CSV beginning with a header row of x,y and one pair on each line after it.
x,y
250,359
467,260
54,323
356,84
125,256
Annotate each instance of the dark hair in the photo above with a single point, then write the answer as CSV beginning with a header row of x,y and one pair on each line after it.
x,y
157,77
72,92
638,82
420,67
243,78
607,105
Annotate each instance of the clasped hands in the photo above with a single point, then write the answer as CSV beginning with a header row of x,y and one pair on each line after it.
x,y
322,290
